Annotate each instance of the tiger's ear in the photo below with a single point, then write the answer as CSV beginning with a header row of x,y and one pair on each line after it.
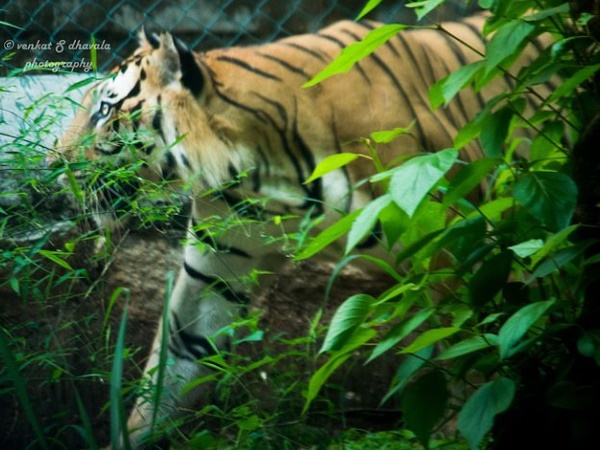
x,y
175,60
147,38
192,77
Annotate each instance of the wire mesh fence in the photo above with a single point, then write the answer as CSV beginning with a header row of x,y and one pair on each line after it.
x,y
80,36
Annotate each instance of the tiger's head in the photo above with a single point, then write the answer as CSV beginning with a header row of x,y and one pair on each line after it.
x,y
147,115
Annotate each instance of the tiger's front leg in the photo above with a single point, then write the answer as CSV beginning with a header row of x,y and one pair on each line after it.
x,y
208,295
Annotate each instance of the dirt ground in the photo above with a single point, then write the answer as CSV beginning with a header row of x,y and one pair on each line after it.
x,y
70,332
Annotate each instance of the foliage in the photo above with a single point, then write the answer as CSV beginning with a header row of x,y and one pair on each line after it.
x,y
494,298
501,284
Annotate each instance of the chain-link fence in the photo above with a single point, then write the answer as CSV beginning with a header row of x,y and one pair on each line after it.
x,y
53,34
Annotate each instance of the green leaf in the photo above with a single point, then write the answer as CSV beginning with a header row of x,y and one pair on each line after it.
x,y
55,257
568,86
330,164
422,8
518,324
461,237
416,246
470,131
365,221
430,337
356,51
249,423
399,332
545,148
349,316
589,344
506,42
494,132
370,6
424,403
443,91
328,236
470,345
361,337
544,14
528,248
394,223
554,242
467,179
385,137
82,83
549,196
490,278
415,178
408,367
476,418
396,291
77,192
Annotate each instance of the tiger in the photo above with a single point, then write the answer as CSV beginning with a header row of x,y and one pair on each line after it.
x,y
240,117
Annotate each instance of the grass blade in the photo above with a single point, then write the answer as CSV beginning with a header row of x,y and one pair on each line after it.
x,y
164,347
118,424
20,387
87,433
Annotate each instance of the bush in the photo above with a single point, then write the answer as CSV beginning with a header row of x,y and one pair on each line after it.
x,y
508,317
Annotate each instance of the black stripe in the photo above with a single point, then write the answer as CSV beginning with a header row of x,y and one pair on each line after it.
x,y
278,106
286,65
148,148
333,39
218,285
256,182
315,190
157,120
116,125
185,161
308,51
135,90
416,64
196,345
245,208
264,117
406,99
338,149
260,115
169,166
477,31
367,24
117,146
373,238
207,239
136,116
244,65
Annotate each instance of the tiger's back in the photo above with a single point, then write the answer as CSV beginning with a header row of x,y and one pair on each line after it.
x,y
293,128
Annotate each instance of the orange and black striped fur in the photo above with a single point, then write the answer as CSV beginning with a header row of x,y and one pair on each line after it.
x,y
207,117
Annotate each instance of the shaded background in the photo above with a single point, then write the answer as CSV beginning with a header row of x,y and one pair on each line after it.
x,y
202,24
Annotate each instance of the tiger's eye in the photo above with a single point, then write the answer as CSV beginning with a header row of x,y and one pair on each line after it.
x,y
104,109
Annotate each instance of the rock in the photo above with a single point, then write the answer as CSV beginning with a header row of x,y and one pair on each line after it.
x,y
34,110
